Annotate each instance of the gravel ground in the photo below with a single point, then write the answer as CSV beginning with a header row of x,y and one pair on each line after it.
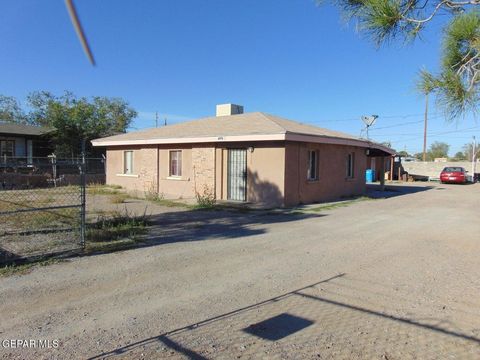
x,y
392,278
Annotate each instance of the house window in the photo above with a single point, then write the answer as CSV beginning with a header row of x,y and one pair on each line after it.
x,y
128,162
312,172
176,163
350,165
7,148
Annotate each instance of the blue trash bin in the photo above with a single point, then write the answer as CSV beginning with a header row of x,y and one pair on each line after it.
x,y
369,175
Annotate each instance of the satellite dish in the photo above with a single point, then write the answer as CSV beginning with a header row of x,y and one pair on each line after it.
x,y
369,120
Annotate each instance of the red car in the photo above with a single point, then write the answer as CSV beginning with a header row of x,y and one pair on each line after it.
x,y
456,175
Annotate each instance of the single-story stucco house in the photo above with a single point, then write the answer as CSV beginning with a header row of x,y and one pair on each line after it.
x,y
251,157
24,142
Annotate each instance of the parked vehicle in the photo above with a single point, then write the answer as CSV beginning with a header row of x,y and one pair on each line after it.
x,y
451,174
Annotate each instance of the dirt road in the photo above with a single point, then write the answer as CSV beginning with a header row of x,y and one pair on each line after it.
x,y
392,278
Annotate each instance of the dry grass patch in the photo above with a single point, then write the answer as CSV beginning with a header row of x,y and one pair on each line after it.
x,y
101,189
118,198
115,232
26,268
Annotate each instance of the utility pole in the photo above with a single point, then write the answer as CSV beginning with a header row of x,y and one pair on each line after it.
x,y
165,122
474,148
425,129
156,118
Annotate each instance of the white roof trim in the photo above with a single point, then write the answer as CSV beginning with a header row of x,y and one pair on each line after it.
x,y
327,140
338,141
206,139
237,138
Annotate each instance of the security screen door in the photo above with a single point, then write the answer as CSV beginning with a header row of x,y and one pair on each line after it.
x,y
237,174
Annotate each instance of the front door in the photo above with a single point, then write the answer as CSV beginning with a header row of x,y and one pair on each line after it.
x,y
237,174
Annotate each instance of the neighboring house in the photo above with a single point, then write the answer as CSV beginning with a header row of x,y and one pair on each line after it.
x,y
23,142
252,157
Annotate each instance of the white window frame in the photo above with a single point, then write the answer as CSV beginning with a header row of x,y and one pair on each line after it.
x,y
128,170
314,162
179,163
350,165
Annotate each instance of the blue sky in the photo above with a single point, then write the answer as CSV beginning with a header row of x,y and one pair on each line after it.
x,y
181,58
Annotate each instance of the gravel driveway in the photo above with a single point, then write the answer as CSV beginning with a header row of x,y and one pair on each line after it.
x,y
394,278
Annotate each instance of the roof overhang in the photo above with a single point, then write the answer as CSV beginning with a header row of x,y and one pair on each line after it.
x,y
21,135
370,146
20,130
372,149
379,151
189,140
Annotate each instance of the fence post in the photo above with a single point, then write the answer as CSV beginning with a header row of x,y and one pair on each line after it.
x,y
54,169
83,198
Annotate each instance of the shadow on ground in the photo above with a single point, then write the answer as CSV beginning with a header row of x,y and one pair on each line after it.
x,y
197,225
374,190
308,321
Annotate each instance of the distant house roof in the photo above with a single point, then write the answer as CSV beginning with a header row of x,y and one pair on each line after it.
x,y
256,126
21,129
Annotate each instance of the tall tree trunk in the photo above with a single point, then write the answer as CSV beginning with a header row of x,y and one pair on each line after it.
x,y
425,129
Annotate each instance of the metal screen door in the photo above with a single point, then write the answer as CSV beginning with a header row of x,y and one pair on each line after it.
x,y
237,174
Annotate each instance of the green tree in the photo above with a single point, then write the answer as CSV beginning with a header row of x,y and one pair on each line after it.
x,y
79,119
75,119
403,153
438,149
418,156
10,110
460,156
467,151
457,85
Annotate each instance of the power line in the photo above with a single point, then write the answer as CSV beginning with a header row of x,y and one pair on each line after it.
x,y
397,125
471,129
412,134
408,115
437,134
380,117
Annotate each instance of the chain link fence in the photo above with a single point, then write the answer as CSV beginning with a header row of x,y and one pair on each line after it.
x,y
42,206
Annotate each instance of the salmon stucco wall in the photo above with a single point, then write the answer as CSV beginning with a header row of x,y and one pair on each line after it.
x,y
276,171
144,174
266,175
151,170
332,182
203,167
198,171
265,172
170,186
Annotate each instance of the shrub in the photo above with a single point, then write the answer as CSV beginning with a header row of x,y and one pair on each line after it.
x,y
205,199
152,194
